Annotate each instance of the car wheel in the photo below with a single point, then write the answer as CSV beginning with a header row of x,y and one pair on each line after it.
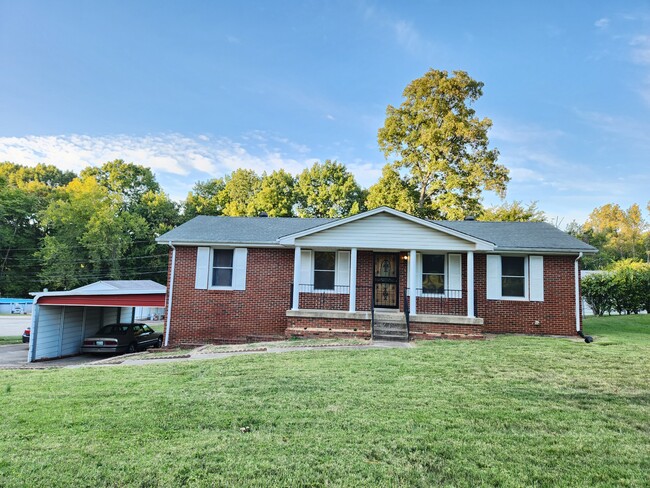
x,y
159,343
132,348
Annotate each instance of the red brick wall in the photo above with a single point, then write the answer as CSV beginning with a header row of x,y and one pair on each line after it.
x,y
556,314
200,316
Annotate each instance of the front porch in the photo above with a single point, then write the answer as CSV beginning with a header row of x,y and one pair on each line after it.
x,y
398,295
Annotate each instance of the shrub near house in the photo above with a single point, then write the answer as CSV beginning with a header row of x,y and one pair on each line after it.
x,y
624,289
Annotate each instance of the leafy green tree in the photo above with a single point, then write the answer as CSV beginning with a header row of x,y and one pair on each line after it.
x,y
513,212
24,192
392,191
437,137
276,196
206,198
616,232
239,191
328,190
88,236
128,180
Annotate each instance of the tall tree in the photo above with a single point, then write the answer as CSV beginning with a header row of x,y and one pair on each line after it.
x,y
239,191
24,192
206,198
88,236
436,135
130,181
513,212
328,190
276,196
393,191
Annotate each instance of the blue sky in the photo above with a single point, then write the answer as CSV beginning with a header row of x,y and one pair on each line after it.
x,y
197,89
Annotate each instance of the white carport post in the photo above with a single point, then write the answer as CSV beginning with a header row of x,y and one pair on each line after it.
x,y
296,280
353,279
470,284
412,281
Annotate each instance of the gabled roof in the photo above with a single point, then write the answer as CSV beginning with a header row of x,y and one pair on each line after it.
x,y
277,231
237,230
108,287
520,236
481,243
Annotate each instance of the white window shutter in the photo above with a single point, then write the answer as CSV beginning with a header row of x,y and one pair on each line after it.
x,y
342,271
239,256
202,268
493,277
536,265
455,271
306,270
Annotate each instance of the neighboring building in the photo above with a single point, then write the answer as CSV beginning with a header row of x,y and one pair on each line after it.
x,y
235,279
15,305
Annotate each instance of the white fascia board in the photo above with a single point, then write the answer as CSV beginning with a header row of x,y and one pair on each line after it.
x,y
78,293
545,251
220,244
481,245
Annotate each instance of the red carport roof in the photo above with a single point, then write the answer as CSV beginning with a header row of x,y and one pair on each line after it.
x,y
122,293
121,300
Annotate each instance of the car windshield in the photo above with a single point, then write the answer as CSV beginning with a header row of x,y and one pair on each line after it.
x,y
113,329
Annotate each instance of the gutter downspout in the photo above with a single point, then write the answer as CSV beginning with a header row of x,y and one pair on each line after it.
x,y
577,282
171,293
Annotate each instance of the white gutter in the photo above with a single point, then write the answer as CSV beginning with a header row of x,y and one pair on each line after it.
x,y
171,293
577,282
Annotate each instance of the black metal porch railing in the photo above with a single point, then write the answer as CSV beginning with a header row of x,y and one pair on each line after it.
x,y
440,302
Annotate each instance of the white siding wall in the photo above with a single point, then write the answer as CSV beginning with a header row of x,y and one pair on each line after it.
x,y
384,231
47,337
72,325
126,314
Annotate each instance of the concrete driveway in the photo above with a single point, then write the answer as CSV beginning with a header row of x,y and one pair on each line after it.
x,y
14,325
15,356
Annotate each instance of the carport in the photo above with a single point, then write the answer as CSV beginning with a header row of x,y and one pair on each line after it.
x,y
61,320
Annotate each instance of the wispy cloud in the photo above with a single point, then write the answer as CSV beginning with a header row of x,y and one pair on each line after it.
x,y
602,23
177,160
404,32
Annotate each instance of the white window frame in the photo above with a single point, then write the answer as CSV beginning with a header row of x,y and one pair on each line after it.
x,y
211,269
526,278
420,271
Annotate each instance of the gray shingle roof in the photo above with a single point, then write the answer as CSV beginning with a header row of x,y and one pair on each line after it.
x,y
267,230
253,230
519,235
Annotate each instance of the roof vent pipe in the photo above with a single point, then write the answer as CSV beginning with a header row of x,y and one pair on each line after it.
x,y
470,217
263,214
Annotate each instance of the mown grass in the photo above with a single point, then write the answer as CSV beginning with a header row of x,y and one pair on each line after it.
x,y
6,340
513,411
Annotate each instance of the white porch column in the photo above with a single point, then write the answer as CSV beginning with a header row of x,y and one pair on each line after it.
x,y
412,281
296,280
470,284
353,279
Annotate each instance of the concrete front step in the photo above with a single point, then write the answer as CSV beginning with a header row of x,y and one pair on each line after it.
x,y
391,337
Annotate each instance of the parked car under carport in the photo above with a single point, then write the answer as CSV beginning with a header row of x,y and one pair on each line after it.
x,y
121,338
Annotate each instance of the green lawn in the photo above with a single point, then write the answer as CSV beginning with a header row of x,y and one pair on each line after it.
x,y
513,411
4,340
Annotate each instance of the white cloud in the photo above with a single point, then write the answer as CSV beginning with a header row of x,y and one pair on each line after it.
x,y
640,49
177,160
602,23
406,35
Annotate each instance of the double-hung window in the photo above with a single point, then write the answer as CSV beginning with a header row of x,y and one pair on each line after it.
x,y
222,267
513,276
433,274
324,270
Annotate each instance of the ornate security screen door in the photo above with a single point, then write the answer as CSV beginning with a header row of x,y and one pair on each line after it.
x,y
386,280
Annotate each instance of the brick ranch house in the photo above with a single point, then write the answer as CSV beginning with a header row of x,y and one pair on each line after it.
x,y
382,274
